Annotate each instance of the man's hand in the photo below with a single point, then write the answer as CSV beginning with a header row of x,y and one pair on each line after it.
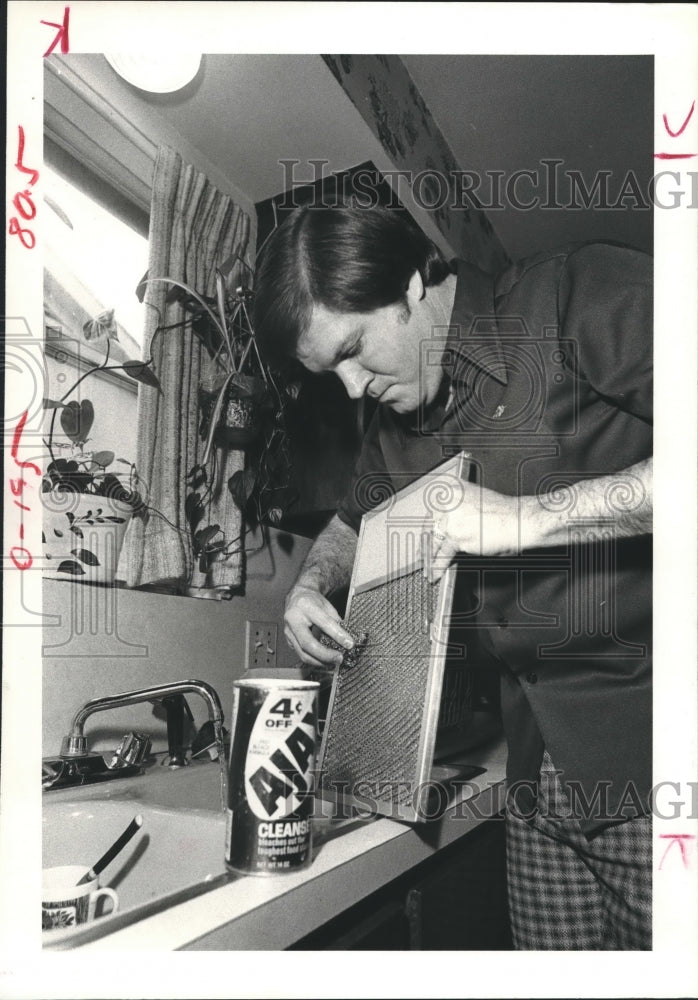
x,y
327,568
484,523
306,607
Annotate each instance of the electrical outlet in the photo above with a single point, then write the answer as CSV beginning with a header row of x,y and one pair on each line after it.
x,y
261,644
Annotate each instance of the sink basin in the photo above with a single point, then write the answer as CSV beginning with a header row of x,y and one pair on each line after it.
x,y
174,849
178,850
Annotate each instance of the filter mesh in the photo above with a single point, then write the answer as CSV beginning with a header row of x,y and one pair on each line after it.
x,y
373,734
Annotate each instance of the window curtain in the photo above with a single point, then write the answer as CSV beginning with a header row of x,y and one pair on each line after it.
x,y
194,228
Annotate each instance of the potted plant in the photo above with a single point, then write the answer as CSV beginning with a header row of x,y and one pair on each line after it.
x,y
242,408
88,502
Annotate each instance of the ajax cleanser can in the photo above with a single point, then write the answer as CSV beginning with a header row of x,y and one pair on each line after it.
x,y
271,775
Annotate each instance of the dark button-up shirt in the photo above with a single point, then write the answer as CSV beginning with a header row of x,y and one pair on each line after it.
x,y
550,366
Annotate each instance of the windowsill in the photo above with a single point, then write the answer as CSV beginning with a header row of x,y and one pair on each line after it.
x,y
64,348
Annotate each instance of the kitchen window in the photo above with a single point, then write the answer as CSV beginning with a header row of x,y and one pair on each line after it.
x,y
95,254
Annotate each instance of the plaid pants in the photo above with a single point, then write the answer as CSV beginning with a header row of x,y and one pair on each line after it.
x,y
570,893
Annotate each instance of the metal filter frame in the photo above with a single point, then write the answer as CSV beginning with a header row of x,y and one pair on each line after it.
x,y
379,740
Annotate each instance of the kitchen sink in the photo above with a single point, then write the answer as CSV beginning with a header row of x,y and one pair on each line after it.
x,y
177,854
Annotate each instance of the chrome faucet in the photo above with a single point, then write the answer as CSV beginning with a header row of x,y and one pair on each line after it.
x,y
77,765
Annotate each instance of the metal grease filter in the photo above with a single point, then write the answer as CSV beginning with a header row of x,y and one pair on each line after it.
x,y
372,737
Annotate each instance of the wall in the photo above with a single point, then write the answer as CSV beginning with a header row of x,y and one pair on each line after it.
x,y
589,115
101,640
386,96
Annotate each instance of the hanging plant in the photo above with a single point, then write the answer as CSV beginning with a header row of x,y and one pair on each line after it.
x,y
244,410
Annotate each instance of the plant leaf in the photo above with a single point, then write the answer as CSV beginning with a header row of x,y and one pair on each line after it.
x,y
142,513
103,458
142,372
286,542
241,485
220,298
69,566
141,287
76,531
84,555
62,466
204,536
195,295
197,477
102,327
112,487
77,419
193,510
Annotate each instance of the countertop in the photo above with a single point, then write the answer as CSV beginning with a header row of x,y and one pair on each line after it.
x,y
351,860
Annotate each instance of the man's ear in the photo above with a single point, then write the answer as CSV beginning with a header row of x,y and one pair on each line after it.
x,y
415,289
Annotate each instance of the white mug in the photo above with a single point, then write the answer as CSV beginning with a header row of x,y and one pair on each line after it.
x,y
64,903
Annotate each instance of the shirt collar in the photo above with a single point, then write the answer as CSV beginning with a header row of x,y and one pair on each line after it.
x,y
473,332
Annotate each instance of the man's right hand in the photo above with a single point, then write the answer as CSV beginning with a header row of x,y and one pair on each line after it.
x,y
305,607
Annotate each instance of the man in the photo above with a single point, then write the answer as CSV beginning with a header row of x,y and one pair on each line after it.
x,y
543,375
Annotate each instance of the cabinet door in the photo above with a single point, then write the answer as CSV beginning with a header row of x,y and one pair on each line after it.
x,y
385,930
462,903
379,923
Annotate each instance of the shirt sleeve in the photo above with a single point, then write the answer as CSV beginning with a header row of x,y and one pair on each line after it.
x,y
605,306
371,483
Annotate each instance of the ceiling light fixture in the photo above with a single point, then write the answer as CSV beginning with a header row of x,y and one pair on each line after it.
x,y
158,74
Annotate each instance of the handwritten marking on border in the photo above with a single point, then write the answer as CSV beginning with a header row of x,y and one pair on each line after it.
x,y
677,838
62,34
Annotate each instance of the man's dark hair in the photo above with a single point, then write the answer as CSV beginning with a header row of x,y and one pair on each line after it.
x,y
347,260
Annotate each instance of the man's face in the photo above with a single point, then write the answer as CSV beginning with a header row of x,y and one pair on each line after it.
x,y
378,353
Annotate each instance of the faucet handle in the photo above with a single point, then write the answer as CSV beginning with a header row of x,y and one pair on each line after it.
x,y
177,708
73,746
133,749
51,770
